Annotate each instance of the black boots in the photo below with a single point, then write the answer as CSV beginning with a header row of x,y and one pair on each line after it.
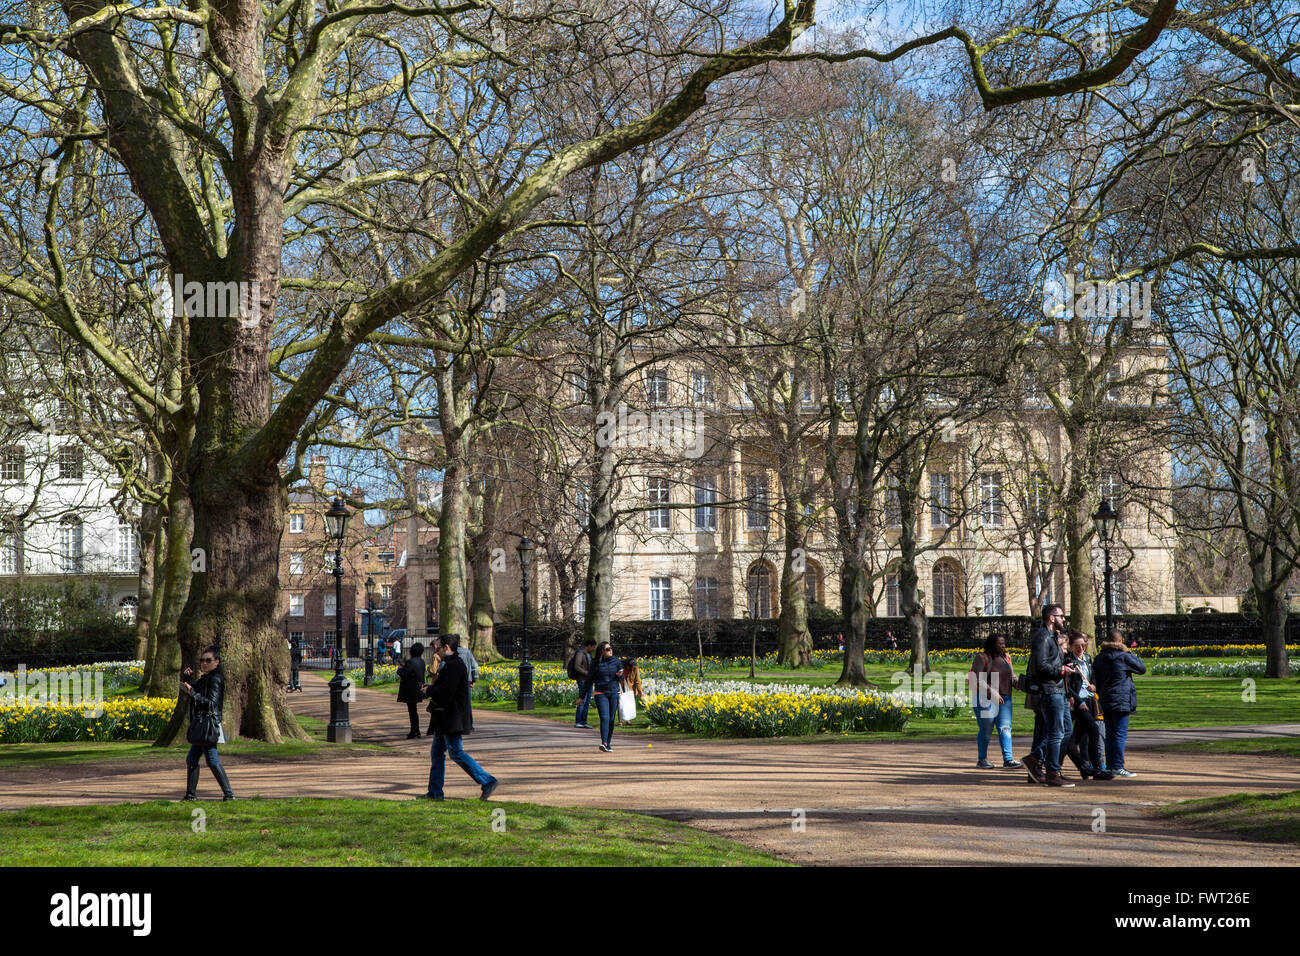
x,y
191,782
223,782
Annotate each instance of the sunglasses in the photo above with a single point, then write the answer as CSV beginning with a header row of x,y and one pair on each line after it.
x,y
207,660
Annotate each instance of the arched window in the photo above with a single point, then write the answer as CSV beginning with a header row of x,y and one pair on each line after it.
x,y
11,546
812,583
127,608
70,551
760,591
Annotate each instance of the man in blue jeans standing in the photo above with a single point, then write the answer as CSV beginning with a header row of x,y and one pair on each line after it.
x,y
452,719
580,670
1047,669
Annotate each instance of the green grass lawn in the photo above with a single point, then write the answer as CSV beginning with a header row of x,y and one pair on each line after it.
x,y
1272,817
1269,747
357,833
64,754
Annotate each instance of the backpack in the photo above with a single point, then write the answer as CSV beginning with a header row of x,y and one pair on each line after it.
x,y
571,665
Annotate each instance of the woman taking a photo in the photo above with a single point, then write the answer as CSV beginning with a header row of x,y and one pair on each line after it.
x,y
991,679
206,697
606,669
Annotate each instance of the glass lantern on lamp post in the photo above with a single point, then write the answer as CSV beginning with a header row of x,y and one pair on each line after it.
x,y
525,548
339,730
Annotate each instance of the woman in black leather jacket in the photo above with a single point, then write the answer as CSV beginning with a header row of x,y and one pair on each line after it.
x,y
206,697
606,669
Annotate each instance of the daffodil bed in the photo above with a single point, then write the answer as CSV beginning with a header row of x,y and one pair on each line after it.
x,y
776,714
26,720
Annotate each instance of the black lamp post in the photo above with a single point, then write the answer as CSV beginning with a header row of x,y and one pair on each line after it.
x,y
525,701
370,629
1105,521
340,728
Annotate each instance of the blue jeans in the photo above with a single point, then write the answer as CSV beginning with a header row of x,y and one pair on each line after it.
x,y
584,701
607,707
1116,737
1051,710
209,754
444,744
1002,720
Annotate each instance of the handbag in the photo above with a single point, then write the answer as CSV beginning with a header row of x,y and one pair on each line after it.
x,y
627,705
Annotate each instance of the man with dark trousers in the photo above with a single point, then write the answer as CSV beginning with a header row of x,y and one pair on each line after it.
x,y
410,690
1047,670
452,719
580,670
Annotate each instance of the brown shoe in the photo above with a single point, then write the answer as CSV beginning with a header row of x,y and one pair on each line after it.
x,y
1033,765
1056,780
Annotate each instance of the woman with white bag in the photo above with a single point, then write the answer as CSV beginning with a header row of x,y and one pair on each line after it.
x,y
606,669
632,692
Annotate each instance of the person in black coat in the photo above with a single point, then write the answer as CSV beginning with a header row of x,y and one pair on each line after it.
x,y
295,664
1047,672
452,718
1113,674
410,689
207,695
606,669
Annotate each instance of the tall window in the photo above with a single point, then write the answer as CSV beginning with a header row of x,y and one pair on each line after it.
x,y
580,605
331,606
706,598
760,591
940,499
812,584
70,465
1043,585
1110,488
991,498
706,498
297,563
656,387
893,606
295,524
1038,499
578,382
11,546
582,507
702,388
746,397
296,605
756,502
893,507
13,465
70,552
1112,384
1034,393
806,394
661,599
128,546
660,516
995,603
943,580
386,592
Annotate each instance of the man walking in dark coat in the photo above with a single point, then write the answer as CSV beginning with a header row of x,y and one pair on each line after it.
x,y
1047,669
449,699
410,691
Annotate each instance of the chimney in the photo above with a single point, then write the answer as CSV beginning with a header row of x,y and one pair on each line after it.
x,y
316,472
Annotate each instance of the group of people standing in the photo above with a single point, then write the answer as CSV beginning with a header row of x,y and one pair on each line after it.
x,y
614,684
1077,702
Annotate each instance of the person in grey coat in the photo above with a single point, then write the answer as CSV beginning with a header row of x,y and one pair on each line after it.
x,y
1113,672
